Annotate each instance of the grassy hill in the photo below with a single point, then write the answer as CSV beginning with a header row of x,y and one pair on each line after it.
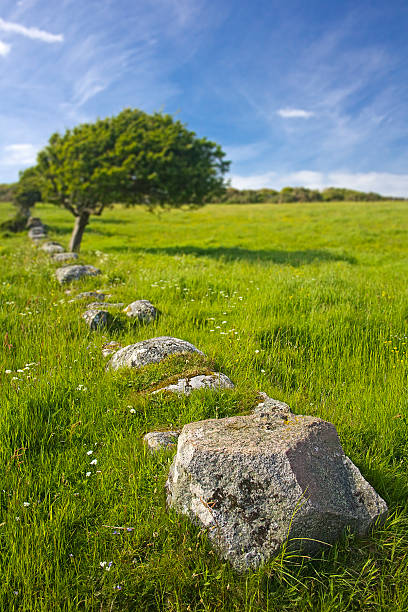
x,y
307,302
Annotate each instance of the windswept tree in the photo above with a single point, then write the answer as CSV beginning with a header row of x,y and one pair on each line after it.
x,y
132,158
27,191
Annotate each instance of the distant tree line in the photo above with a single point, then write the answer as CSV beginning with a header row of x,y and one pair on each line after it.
x,y
7,191
297,194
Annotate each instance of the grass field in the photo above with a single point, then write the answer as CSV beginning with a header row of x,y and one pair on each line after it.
x,y
308,303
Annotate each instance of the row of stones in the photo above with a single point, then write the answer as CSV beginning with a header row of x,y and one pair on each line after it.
x,y
253,481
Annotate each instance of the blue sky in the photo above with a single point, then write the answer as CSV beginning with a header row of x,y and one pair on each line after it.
x,y
297,92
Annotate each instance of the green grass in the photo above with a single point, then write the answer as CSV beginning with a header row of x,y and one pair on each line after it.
x,y
308,303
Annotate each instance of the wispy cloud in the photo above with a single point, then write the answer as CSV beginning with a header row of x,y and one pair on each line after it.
x,y
35,33
19,155
4,48
294,113
386,183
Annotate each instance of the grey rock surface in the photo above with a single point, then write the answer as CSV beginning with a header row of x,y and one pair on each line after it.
x,y
105,305
158,440
254,480
150,351
34,222
60,257
36,232
96,319
143,310
215,381
70,273
110,347
96,295
52,247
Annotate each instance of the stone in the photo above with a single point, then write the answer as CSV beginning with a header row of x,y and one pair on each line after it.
x,y
158,440
96,295
64,256
34,222
69,273
36,233
110,347
254,482
52,247
143,310
214,381
105,305
150,351
96,319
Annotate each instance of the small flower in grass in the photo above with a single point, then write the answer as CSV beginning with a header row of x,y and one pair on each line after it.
x,y
26,504
129,529
132,411
17,518
108,567
88,474
94,461
89,452
117,587
102,563
8,371
257,351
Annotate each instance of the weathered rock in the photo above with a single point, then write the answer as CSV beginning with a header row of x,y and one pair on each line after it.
x,y
36,232
110,347
157,440
69,273
253,480
52,247
143,310
105,305
215,381
34,222
96,295
96,319
64,256
150,351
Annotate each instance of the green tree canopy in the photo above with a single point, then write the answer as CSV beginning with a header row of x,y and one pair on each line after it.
x,y
27,192
132,158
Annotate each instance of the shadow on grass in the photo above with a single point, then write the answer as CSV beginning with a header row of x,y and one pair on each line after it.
x,y
293,258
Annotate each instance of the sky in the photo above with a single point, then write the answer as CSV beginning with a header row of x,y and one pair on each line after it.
x,y
296,92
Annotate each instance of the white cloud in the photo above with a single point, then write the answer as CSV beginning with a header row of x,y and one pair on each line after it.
x,y
4,48
294,113
36,33
19,155
385,183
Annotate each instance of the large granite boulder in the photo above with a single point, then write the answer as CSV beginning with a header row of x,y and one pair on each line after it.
x,y
52,247
143,310
70,273
185,386
256,481
149,351
60,257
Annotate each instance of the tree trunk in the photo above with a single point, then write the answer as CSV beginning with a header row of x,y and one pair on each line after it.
x,y
76,238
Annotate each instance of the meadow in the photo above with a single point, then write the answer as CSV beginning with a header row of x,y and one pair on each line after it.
x,y
307,302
